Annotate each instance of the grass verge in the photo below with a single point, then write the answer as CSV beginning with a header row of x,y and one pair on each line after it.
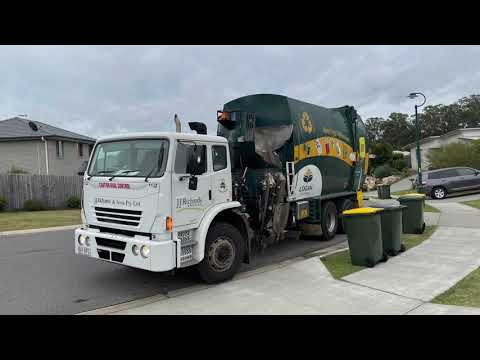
x,y
473,203
22,220
428,208
465,293
339,264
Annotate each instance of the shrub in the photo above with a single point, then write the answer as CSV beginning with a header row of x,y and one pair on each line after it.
x,y
74,202
17,171
34,205
382,171
455,154
399,164
3,203
383,154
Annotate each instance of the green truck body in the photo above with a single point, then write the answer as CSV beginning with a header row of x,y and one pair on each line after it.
x,y
320,151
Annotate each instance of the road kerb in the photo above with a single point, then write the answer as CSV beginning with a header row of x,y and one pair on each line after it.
x,y
40,230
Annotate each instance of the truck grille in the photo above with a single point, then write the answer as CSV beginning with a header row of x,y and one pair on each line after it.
x,y
118,216
110,243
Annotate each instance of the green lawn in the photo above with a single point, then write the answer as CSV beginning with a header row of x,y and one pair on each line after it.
x,y
473,203
20,220
339,264
464,293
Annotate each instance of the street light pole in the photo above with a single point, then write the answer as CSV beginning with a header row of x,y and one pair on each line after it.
x,y
417,135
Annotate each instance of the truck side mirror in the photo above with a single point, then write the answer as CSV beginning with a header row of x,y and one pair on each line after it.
x,y
195,166
192,183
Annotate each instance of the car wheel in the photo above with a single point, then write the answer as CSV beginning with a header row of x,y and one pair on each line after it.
x,y
439,192
347,204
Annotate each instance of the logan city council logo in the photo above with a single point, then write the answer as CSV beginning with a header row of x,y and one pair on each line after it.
x,y
306,123
308,175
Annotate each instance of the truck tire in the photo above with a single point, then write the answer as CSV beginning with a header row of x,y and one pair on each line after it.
x,y
329,221
224,249
347,204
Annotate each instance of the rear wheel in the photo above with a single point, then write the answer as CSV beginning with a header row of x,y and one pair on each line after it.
x,y
224,248
439,192
329,222
347,204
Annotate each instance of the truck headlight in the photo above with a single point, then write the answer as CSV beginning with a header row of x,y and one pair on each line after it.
x,y
145,251
82,239
135,250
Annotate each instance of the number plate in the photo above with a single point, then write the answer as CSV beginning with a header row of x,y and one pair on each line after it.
x,y
84,251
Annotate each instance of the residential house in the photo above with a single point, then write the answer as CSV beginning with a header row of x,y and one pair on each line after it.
x,y
435,142
40,148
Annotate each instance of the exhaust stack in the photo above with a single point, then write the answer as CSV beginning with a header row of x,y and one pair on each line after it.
x,y
178,124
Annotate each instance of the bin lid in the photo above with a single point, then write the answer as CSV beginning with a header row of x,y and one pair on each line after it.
x,y
412,196
362,211
390,207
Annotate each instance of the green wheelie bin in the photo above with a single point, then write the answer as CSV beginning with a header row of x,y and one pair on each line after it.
x,y
412,215
364,234
391,219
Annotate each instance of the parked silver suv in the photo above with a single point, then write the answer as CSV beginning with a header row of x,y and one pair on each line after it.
x,y
439,183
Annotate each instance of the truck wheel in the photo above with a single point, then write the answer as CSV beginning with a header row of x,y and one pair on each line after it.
x,y
347,204
224,248
329,220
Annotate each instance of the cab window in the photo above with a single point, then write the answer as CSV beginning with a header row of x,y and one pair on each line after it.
x,y
219,156
465,172
185,151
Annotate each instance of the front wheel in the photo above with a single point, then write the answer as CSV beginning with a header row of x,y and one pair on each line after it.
x,y
224,248
439,193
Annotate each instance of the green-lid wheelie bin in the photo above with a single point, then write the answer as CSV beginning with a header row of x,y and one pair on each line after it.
x,y
412,215
391,219
364,234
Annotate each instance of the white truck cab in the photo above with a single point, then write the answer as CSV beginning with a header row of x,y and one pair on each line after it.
x,y
160,201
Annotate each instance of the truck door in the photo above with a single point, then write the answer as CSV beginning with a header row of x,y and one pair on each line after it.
x,y
189,205
222,178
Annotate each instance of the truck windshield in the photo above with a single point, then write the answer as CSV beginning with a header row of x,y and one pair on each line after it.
x,y
130,158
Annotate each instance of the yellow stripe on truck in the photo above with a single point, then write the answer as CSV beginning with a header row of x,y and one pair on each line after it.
x,y
323,146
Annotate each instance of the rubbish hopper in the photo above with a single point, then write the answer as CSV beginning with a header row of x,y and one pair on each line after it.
x,y
383,191
391,219
412,215
364,233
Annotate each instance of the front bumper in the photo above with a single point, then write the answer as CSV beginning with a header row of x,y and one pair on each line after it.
x,y
118,249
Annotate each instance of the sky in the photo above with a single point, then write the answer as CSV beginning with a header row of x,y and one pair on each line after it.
x,y
104,90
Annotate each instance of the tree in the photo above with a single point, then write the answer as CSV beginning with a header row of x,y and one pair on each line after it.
x,y
373,129
383,154
398,130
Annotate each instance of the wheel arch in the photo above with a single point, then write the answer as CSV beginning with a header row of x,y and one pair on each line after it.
x,y
229,213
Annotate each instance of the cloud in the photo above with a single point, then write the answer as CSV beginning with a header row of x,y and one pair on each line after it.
x,y
101,90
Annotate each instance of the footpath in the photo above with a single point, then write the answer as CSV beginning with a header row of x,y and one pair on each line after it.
x,y
403,285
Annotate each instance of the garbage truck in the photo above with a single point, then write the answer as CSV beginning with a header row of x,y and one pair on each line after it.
x,y
277,168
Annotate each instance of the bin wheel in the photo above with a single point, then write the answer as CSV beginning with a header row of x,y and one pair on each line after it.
x,y
384,257
393,253
422,229
369,262
402,248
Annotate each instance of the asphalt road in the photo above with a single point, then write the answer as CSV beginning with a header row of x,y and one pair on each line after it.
x,y
39,274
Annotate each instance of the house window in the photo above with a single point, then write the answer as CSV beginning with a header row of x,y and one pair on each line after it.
x,y
59,149
80,150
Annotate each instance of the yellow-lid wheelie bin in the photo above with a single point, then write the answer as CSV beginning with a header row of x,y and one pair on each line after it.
x,y
412,215
364,233
391,219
